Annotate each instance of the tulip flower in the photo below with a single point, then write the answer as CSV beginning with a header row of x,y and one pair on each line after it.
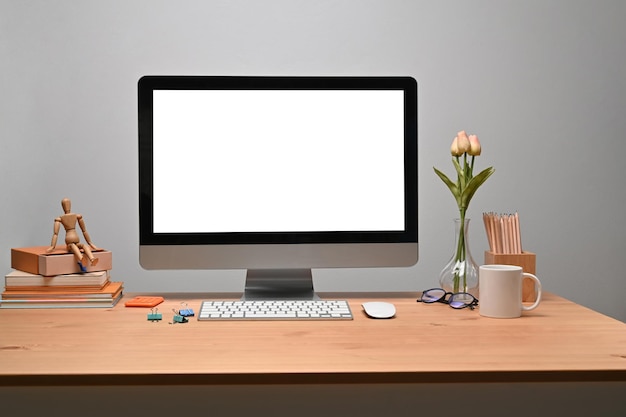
x,y
474,145
454,148
466,184
463,142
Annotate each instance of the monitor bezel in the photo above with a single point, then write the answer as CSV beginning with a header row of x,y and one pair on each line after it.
x,y
148,84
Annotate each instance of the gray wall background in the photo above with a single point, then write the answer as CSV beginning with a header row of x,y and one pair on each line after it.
x,y
543,84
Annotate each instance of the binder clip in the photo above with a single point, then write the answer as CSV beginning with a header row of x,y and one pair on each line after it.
x,y
178,318
154,316
186,312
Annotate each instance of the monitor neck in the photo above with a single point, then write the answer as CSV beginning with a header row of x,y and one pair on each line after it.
x,y
279,284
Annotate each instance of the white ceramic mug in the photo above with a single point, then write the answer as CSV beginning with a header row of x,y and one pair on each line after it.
x,y
500,291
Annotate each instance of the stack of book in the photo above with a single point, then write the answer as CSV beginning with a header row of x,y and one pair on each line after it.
x,y
55,280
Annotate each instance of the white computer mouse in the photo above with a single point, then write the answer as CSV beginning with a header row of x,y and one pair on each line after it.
x,y
379,309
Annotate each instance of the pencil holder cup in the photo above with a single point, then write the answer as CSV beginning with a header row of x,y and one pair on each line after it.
x,y
527,260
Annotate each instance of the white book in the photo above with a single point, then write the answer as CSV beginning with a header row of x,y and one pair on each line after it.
x,y
17,278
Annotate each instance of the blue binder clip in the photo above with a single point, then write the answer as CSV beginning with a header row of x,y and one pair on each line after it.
x,y
154,316
186,312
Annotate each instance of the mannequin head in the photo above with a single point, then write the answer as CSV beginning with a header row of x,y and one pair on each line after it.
x,y
66,204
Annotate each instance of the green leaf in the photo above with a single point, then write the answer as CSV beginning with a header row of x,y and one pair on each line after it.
x,y
473,185
460,173
452,186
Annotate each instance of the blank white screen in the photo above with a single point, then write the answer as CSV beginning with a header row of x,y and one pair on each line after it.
x,y
278,160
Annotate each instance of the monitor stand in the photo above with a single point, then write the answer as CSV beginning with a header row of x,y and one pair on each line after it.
x,y
279,284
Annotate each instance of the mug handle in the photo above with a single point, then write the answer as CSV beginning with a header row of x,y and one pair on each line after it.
x,y
536,303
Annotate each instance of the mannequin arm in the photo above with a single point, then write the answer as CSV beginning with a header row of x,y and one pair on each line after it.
x,y
55,235
83,228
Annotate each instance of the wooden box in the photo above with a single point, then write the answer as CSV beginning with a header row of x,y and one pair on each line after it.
x,y
527,260
58,262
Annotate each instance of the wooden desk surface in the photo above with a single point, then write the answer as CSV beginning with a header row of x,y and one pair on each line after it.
x,y
559,341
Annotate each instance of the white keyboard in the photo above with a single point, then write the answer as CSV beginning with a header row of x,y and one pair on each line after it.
x,y
275,310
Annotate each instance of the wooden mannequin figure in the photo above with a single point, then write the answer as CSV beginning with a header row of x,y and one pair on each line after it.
x,y
72,240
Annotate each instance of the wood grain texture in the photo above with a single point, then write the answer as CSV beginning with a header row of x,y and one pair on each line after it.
x,y
559,341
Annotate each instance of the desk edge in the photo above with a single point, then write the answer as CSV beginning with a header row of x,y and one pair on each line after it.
x,y
315,378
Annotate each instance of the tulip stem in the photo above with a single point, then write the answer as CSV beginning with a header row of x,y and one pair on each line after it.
x,y
460,256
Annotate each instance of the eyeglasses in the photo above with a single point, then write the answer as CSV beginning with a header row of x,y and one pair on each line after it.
x,y
455,300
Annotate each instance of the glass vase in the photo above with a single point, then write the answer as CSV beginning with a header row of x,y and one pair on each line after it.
x,y
461,273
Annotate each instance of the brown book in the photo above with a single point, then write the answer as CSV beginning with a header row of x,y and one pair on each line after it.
x,y
36,260
109,291
22,280
74,302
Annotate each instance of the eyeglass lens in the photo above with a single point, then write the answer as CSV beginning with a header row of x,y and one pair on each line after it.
x,y
456,300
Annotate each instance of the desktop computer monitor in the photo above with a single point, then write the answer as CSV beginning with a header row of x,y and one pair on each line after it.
x,y
277,176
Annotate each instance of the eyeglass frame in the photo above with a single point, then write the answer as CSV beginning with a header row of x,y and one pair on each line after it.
x,y
444,299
